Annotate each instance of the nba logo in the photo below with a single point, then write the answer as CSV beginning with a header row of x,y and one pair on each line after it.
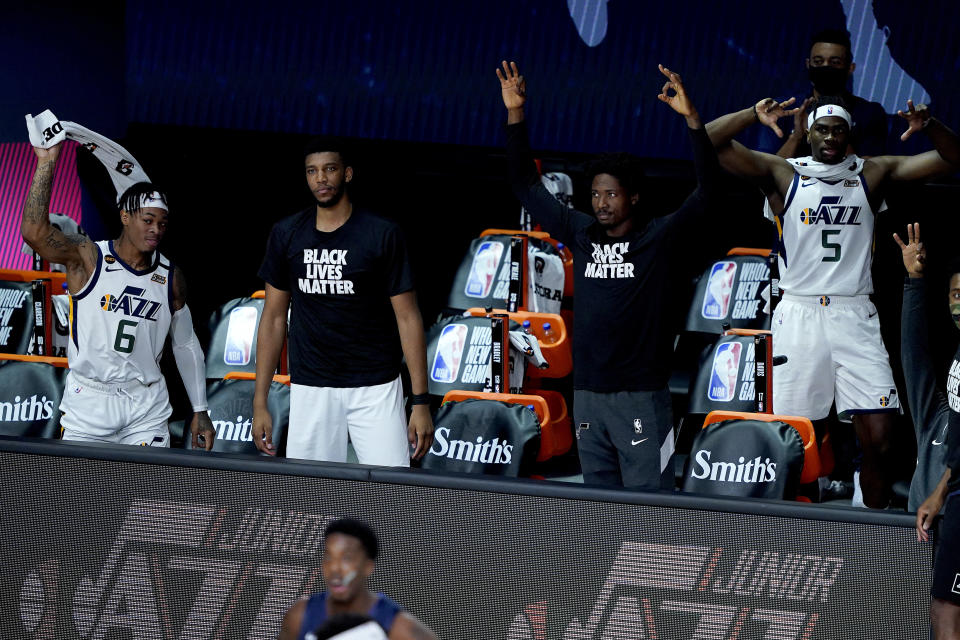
x,y
726,369
240,333
483,271
446,361
716,296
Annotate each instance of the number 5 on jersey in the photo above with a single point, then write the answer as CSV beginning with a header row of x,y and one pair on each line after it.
x,y
124,340
835,246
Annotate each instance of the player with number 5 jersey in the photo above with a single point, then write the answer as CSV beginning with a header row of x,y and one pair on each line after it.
x,y
824,207
125,298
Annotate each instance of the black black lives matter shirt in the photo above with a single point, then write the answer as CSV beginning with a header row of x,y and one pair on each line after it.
x,y
623,339
343,331
953,432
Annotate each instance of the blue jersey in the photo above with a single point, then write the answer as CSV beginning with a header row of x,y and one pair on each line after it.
x,y
383,611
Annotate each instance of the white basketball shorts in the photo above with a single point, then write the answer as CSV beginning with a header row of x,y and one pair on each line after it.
x,y
834,353
322,417
128,413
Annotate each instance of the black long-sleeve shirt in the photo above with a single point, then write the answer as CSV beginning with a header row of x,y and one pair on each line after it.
x,y
622,335
928,404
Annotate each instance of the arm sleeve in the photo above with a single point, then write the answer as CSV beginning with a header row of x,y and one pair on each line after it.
x,y
189,358
928,405
274,270
399,275
556,218
707,169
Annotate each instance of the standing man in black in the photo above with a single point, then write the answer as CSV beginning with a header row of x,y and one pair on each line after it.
x,y
623,339
830,67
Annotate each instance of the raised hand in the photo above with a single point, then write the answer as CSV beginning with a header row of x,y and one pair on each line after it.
x,y
800,116
48,155
914,253
916,117
679,101
769,111
512,86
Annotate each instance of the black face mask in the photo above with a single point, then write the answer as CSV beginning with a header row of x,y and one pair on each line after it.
x,y
828,81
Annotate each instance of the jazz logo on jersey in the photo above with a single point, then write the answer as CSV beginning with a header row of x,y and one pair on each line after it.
x,y
241,330
831,212
726,370
716,295
483,271
130,303
446,361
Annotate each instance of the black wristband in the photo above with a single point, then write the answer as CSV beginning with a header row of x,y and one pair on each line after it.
x,y
419,398
755,114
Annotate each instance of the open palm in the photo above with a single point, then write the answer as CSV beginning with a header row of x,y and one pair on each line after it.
x,y
512,86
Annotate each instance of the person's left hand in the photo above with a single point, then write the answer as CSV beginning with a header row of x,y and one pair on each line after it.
x,y
916,117
679,101
201,428
913,252
420,430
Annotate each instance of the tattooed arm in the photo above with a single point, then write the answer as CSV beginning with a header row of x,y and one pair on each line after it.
x,y
76,253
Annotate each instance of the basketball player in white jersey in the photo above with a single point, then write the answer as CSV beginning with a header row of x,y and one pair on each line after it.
x,y
824,207
125,297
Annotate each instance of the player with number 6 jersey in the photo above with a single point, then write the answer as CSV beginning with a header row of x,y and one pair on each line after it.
x,y
826,326
125,298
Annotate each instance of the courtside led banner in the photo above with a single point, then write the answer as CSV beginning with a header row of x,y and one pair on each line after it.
x,y
127,544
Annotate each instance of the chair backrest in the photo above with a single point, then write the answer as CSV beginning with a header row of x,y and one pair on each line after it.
x,y
486,437
30,394
725,380
16,316
458,354
483,278
747,458
231,411
233,337
732,290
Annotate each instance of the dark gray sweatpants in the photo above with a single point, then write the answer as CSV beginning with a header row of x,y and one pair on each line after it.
x,y
625,438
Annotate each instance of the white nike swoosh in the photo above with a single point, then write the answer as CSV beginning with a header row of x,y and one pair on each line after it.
x,y
942,434
636,442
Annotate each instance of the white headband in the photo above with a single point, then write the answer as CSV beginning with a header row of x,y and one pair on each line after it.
x,y
829,110
153,199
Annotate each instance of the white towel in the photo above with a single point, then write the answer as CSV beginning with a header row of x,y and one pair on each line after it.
x,y
45,131
849,167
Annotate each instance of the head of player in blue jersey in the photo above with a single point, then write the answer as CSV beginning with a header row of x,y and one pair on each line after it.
x,y
143,213
829,131
614,191
328,172
349,553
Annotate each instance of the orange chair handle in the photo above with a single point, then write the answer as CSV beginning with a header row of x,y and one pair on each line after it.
x,y
543,235
747,251
19,275
247,375
258,295
57,362
747,332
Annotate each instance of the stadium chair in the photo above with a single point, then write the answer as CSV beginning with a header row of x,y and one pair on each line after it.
x,y
565,254
752,455
19,292
731,291
556,435
231,410
484,276
485,436
30,391
558,354
458,354
233,337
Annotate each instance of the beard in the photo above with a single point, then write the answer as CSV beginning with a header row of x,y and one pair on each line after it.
x,y
334,199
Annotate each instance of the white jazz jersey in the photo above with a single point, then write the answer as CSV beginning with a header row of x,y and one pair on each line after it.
x,y
120,319
826,238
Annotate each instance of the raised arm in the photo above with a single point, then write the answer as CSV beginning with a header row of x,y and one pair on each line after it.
x,y
557,219
705,161
771,173
792,142
270,336
928,405
76,253
944,159
189,358
414,345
